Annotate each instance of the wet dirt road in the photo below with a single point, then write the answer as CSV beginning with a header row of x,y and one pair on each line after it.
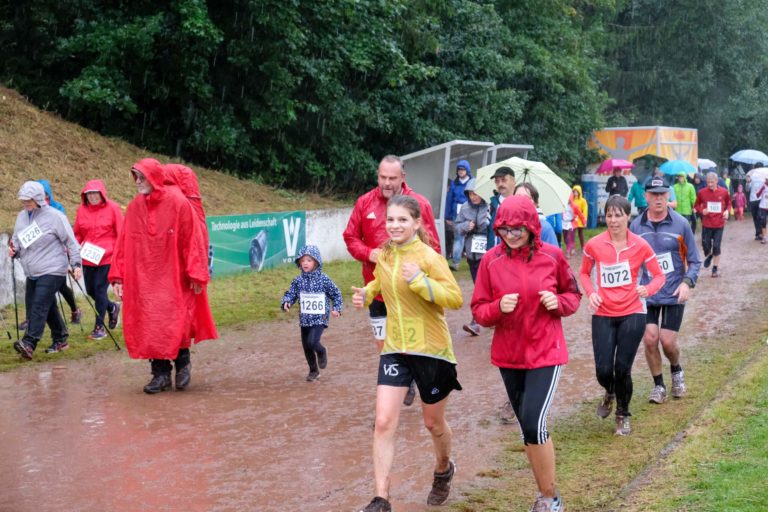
x,y
251,434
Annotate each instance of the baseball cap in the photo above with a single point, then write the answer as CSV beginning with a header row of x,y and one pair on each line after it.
x,y
503,171
656,185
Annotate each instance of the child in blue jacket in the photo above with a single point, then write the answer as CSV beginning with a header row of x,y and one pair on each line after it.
x,y
313,289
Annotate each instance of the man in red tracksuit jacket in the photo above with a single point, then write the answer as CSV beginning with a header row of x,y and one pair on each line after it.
x,y
712,202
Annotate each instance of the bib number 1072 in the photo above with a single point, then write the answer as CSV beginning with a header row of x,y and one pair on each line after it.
x,y
613,276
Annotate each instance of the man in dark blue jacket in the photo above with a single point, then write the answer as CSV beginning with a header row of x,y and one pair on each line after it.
x,y
455,199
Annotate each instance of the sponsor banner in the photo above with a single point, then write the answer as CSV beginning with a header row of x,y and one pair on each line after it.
x,y
255,242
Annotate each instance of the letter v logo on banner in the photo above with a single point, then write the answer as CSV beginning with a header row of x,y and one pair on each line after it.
x,y
291,232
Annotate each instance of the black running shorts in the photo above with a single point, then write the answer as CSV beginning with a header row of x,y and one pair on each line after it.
x,y
671,316
435,378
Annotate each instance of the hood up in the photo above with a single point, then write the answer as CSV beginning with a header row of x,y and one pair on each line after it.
x,y
519,211
313,252
33,190
94,186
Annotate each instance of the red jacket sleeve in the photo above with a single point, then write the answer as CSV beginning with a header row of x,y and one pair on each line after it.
x,y
568,294
353,235
195,254
585,274
485,309
429,225
699,204
117,213
78,229
116,268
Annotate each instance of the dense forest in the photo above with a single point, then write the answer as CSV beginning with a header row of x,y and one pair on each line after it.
x,y
309,94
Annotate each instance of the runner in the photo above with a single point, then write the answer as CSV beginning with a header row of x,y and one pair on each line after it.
x,y
98,222
524,287
712,202
46,246
366,233
416,284
671,237
618,319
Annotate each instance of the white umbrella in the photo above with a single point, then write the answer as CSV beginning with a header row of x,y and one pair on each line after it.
x,y
705,163
553,191
758,174
750,156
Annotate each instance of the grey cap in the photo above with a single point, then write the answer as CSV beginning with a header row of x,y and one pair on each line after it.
x,y
656,185
503,171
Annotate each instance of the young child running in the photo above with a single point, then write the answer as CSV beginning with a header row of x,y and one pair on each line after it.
x,y
739,202
416,284
313,289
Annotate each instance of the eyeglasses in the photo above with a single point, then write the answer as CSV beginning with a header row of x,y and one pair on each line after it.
x,y
511,232
138,177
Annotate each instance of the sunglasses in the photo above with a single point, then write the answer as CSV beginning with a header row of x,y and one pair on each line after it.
x,y
511,232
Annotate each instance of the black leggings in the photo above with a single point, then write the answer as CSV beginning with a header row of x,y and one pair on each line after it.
x,y
614,342
310,342
531,392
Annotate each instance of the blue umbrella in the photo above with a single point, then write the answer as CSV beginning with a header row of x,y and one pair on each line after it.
x,y
677,167
750,156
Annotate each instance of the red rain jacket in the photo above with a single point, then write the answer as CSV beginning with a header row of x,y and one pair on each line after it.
x,y
100,224
530,336
366,229
158,255
203,327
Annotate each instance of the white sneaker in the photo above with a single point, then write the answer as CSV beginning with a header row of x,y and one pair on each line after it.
x,y
678,384
658,395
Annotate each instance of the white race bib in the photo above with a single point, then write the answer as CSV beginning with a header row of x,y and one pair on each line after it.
x,y
479,244
379,326
613,276
312,303
30,235
714,207
92,253
458,209
665,262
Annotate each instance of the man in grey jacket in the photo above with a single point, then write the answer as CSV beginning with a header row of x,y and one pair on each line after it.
x,y
46,246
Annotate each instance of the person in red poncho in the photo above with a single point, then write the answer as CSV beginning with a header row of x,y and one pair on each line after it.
x,y
99,221
158,269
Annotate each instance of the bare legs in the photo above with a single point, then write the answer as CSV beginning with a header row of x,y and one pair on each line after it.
x,y
542,460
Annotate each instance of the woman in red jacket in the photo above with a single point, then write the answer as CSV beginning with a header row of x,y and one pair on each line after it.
x,y
97,224
618,320
523,289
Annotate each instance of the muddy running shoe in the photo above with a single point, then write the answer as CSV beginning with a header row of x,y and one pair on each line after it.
x,y
658,395
57,346
322,359
606,406
160,382
378,504
622,426
24,350
507,414
114,315
543,504
708,260
472,328
410,396
77,314
98,333
441,486
678,385
313,376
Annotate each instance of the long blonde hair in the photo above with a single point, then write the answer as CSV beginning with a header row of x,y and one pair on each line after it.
x,y
413,207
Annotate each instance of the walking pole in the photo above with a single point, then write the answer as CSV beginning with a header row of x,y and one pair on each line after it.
x,y
69,276
63,313
15,301
97,313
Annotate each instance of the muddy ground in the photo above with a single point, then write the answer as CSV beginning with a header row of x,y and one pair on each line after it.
x,y
251,434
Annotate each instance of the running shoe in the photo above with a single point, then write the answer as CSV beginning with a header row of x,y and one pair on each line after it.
x,y
543,504
678,384
77,314
98,333
441,485
715,273
114,315
708,260
57,346
507,414
472,328
313,376
622,426
658,395
322,359
410,396
24,350
606,406
378,504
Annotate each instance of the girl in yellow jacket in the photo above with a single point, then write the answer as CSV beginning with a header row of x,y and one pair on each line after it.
x,y
416,284
580,208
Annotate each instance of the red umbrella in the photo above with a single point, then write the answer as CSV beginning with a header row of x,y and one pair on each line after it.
x,y
609,165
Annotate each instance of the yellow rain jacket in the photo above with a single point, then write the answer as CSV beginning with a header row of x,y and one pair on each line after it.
x,y
415,318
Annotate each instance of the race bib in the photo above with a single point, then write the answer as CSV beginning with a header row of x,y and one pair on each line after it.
x,y
665,262
613,276
312,303
30,235
92,253
714,207
479,243
458,208
379,326
413,331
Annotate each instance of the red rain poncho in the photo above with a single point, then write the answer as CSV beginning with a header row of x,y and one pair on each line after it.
x,y
98,224
158,255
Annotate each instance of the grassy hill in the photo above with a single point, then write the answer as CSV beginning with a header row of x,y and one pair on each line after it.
x,y
36,145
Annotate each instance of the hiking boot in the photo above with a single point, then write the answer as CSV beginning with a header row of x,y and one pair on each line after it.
x,y
24,350
543,504
77,314
159,382
57,346
322,359
114,315
313,376
708,261
378,504
98,333
622,426
183,376
441,485
472,328
410,396
658,395
507,414
678,385
606,406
